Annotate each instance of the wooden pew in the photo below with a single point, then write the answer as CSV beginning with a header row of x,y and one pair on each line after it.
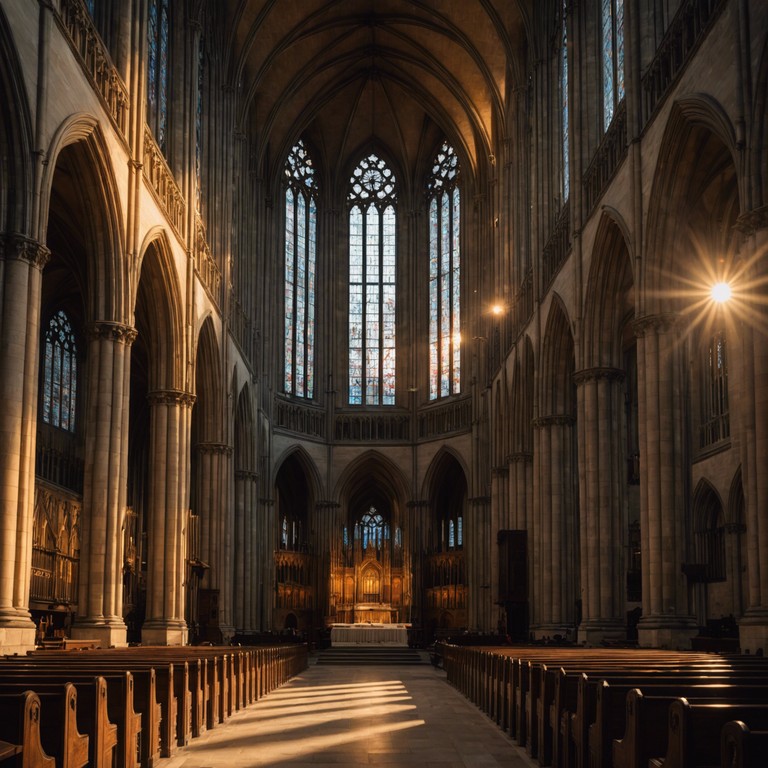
x,y
695,730
119,703
742,747
92,717
609,720
20,730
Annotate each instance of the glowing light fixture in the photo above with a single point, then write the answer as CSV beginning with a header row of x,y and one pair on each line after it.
x,y
721,292
497,309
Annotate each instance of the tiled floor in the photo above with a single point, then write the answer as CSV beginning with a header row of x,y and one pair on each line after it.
x,y
357,716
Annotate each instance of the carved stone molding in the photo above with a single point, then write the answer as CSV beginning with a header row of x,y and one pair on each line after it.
x,y
661,323
326,504
752,221
500,471
553,421
245,475
211,449
109,331
418,504
171,397
22,248
597,373
521,457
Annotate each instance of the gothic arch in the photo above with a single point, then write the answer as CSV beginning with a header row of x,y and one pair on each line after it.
x,y
696,181
431,478
758,145
608,299
244,446
159,303
372,467
556,384
300,455
15,140
521,420
79,146
208,385
736,506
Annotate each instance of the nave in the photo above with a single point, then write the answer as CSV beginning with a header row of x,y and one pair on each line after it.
x,y
345,716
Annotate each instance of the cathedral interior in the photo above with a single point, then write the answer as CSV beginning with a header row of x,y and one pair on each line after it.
x,y
443,314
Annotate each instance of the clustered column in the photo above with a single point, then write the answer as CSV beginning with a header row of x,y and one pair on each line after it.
x,y
667,619
554,527
170,419
247,557
100,600
21,266
602,515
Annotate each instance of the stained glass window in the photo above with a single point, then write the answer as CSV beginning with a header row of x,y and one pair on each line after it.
x,y
59,395
300,273
372,272
564,101
158,70
91,6
613,57
199,118
715,416
372,530
444,275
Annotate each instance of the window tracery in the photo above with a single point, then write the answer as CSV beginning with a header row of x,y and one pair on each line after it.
x,y
59,391
158,31
613,57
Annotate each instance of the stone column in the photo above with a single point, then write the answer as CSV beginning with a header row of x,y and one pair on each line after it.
x,y
21,266
100,599
554,528
168,504
666,619
602,518
520,479
245,550
752,410
213,507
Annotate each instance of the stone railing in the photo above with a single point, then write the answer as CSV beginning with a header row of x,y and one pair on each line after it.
x,y
689,27
207,269
557,248
365,426
445,419
300,418
76,23
160,180
609,155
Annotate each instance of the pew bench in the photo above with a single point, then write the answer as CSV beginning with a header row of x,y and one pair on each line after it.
x,y
20,730
742,747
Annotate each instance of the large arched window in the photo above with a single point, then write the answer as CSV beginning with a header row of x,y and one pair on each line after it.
x,y
713,397
372,273
158,32
444,275
566,176
59,395
300,273
613,57
372,530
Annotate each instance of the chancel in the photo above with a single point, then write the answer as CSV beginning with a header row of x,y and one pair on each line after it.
x,y
384,322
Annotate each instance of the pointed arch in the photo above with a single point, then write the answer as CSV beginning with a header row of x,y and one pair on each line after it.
x,y
709,531
372,468
300,455
608,300
708,197
245,444
159,313
15,140
557,364
432,476
80,149
208,385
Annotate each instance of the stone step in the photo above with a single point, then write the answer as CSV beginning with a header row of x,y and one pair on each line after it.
x,y
373,655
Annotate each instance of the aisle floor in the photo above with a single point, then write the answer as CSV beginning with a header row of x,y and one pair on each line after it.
x,y
405,716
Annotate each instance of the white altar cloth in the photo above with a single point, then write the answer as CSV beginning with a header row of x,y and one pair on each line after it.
x,y
369,634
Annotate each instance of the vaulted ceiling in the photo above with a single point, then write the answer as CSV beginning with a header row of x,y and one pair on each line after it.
x,y
349,73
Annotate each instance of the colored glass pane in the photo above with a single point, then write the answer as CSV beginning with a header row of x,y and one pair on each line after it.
x,y
300,273
59,398
444,275
564,102
372,275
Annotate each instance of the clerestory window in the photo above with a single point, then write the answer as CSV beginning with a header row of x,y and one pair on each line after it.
x,y
59,395
444,275
372,273
158,79
613,57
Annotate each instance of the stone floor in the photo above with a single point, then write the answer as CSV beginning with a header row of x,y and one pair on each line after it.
x,y
357,716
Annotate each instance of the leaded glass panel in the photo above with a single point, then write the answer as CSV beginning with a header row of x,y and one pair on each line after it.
x,y
444,275
300,273
613,57
564,102
158,63
372,275
59,396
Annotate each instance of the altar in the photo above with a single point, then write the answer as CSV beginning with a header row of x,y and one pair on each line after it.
x,y
369,634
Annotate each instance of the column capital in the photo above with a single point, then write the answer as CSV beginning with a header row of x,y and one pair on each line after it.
x,y
111,331
519,457
246,474
660,323
553,421
171,397
326,504
14,246
211,448
500,471
598,372
750,222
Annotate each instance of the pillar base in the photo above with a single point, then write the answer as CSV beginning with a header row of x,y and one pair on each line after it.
x,y
109,634
753,631
17,640
595,631
669,632
164,633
